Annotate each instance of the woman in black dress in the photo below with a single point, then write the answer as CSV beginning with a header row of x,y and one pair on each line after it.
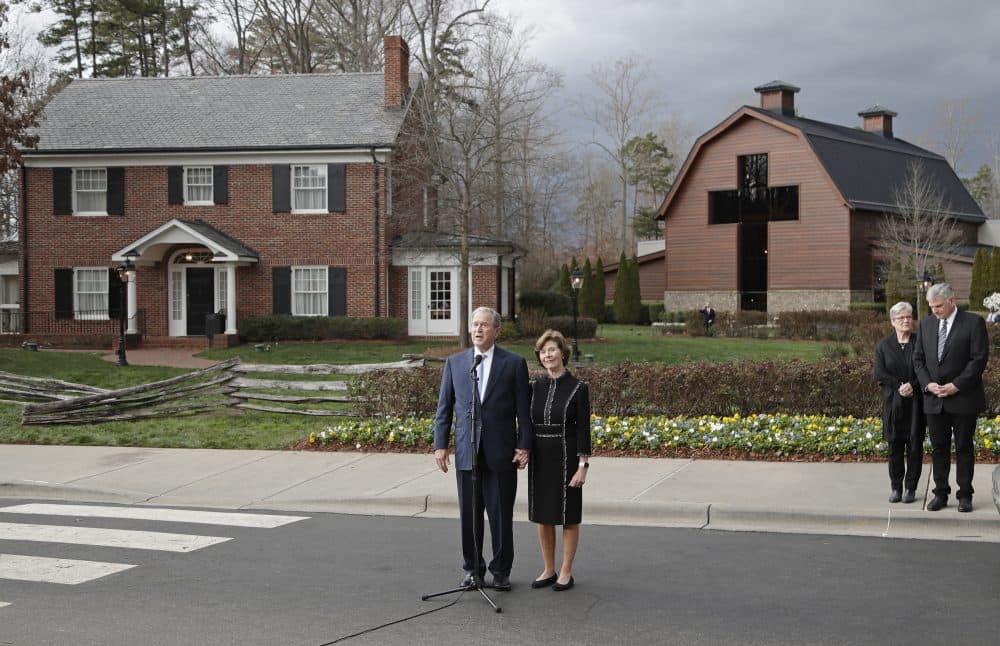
x,y
903,423
560,413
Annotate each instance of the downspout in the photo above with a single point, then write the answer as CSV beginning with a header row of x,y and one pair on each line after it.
x,y
22,236
378,250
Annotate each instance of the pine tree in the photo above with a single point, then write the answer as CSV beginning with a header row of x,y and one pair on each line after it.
x,y
980,278
600,290
994,282
565,287
620,305
634,294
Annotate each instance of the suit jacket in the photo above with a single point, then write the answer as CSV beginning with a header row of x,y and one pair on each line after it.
x,y
503,418
962,363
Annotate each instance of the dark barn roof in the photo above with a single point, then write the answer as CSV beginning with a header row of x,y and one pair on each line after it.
x,y
867,167
205,113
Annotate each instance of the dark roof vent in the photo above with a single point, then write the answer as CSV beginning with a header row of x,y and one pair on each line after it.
x,y
778,96
878,120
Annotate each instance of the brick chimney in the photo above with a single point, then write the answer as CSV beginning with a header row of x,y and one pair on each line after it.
x,y
878,120
777,96
397,71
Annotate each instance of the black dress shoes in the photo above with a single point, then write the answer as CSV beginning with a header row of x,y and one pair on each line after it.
x,y
896,495
559,587
501,582
965,505
937,502
909,496
544,583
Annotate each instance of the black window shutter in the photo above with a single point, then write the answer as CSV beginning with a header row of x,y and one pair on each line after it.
x,y
62,191
175,185
281,290
115,304
336,187
337,291
220,184
281,189
116,191
64,293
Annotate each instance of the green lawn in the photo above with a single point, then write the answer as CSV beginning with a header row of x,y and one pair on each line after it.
x,y
257,430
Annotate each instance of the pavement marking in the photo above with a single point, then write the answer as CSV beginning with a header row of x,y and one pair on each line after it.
x,y
3,603
48,570
161,541
264,521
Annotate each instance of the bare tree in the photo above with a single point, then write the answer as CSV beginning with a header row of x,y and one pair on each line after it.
x,y
350,32
288,27
620,112
922,227
234,47
953,123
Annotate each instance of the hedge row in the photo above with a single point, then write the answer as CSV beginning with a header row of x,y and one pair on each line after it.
x,y
835,387
282,327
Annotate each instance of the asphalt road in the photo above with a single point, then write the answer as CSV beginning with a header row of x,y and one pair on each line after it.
x,y
317,580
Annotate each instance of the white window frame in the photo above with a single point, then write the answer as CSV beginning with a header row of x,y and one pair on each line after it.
x,y
325,188
75,190
104,313
211,185
325,292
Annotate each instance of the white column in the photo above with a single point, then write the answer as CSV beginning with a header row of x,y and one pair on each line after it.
x,y
133,307
230,298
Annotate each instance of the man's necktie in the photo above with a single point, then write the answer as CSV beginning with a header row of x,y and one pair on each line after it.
x,y
480,373
942,337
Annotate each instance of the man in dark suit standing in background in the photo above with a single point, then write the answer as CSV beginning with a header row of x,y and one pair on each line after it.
x,y
950,357
501,440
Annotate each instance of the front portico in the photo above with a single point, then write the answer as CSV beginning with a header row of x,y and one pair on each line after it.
x,y
197,265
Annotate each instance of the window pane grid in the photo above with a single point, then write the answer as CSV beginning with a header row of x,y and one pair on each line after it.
x,y
91,190
198,184
309,188
309,291
92,294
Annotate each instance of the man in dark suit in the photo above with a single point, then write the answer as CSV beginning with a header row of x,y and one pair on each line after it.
x,y
950,357
708,317
499,442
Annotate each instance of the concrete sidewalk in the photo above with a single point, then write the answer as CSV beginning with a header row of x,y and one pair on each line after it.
x,y
820,498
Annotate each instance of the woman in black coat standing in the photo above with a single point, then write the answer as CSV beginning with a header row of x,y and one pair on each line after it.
x,y
903,422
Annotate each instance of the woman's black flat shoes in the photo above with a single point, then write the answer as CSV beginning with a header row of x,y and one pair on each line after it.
x,y
544,583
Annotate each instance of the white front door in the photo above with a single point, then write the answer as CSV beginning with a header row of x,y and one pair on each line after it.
x,y
433,306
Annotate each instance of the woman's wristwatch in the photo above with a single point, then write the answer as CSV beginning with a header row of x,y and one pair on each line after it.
x,y
585,465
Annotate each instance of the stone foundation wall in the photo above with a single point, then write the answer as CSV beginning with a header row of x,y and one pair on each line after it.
x,y
687,301
797,300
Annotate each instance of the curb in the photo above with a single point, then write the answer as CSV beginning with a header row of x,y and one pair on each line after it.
x,y
60,491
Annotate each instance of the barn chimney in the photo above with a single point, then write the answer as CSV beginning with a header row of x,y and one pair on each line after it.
x,y
397,71
878,120
778,96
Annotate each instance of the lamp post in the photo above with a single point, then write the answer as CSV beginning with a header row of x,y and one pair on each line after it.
x,y
126,272
576,281
924,282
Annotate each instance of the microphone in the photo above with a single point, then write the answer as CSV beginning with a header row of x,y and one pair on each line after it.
x,y
475,362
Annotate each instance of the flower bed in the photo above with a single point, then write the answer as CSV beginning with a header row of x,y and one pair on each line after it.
x,y
777,436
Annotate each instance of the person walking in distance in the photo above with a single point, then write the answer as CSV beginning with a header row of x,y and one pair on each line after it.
x,y
950,357
501,440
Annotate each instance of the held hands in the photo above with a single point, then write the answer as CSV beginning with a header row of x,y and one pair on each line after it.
x,y
520,458
947,390
905,390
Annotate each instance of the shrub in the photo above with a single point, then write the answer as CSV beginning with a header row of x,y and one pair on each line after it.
x,y
655,311
869,307
530,323
550,303
283,327
396,393
833,325
586,327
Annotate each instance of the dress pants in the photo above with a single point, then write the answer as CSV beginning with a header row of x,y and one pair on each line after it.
x,y
941,428
495,492
906,457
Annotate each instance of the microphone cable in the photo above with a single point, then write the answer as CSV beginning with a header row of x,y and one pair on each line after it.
x,y
394,622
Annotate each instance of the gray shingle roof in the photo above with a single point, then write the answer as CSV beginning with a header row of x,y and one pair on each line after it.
x,y
218,113
223,239
868,167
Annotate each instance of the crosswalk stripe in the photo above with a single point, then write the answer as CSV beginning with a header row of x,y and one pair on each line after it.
x,y
156,513
161,541
3,603
48,570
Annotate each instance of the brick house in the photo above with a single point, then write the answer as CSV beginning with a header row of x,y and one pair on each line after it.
x,y
9,289
775,212
247,195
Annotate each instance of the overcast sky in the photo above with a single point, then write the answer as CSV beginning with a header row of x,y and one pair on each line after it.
x,y
907,55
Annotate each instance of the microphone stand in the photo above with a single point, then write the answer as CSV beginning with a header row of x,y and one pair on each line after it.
x,y
477,579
